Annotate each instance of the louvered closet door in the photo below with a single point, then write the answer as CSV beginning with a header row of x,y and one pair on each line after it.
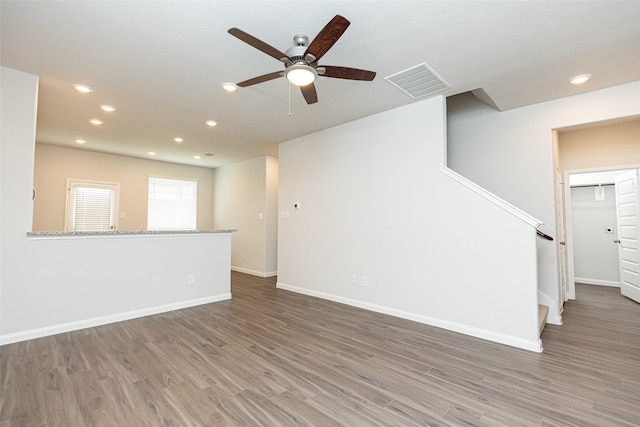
x,y
627,217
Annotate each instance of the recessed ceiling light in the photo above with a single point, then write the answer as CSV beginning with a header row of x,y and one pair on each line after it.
x,y
152,153
578,80
178,139
196,157
229,87
82,88
80,141
96,122
107,108
211,123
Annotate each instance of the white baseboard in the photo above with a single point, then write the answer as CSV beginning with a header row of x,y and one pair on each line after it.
x,y
598,282
254,272
104,320
533,345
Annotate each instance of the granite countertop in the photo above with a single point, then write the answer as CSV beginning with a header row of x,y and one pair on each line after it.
x,y
120,233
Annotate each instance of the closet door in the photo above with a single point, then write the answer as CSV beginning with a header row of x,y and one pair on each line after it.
x,y
627,204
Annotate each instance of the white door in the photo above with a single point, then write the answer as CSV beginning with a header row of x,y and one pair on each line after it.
x,y
91,205
627,215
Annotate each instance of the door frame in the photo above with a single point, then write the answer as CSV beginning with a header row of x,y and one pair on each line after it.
x,y
568,221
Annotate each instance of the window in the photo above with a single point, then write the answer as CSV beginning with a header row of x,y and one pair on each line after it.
x,y
91,206
172,204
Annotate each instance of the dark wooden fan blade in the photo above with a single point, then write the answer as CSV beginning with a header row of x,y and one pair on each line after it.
x,y
260,79
309,93
257,43
348,73
328,36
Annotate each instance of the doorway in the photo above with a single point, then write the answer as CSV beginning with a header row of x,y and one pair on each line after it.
x,y
592,237
590,148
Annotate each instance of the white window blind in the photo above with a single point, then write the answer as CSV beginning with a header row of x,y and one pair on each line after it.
x,y
173,204
91,206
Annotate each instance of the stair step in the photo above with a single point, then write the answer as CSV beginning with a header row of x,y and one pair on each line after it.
x,y
542,317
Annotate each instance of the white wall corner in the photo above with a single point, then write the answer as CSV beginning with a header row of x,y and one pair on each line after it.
x,y
254,272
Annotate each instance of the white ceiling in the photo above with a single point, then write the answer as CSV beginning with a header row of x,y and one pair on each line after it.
x,y
161,64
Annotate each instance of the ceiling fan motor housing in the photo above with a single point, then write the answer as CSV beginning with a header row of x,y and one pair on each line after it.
x,y
297,60
297,54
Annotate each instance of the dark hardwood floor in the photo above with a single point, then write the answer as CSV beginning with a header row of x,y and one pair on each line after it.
x,y
271,357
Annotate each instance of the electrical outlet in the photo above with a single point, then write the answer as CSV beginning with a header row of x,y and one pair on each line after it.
x,y
365,281
354,279
191,280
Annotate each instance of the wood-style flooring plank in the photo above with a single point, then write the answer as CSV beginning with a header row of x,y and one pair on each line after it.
x,y
269,357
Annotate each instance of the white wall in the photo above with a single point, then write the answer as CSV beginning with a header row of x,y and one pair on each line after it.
x,y
607,144
375,204
49,286
245,199
511,153
594,252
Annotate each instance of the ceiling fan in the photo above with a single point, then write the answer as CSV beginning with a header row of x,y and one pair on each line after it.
x,y
301,60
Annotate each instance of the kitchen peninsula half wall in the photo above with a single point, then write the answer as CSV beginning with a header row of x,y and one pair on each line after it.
x,y
76,280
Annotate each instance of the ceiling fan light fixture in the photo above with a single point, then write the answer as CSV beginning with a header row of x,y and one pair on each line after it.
x,y
301,74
